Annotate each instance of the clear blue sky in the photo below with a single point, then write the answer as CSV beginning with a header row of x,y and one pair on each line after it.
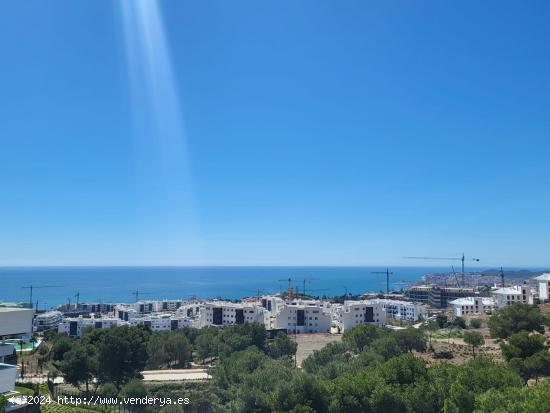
x,y
281,132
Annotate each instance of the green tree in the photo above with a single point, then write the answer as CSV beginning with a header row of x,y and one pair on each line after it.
x,y
459,322
411,339
358,338
320,358
178,348
79,365
206,345
478,375
474,339
107,390
135,389
387,346
516,317
60,346
475,323
122,352
537,365
3,403
441,320
522,345
430,327
282,346
156,351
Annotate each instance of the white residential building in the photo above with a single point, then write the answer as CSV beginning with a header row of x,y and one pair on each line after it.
x,y
48,320
353,313
512,295
222,313
74,327
472,305
400,310
544,286
162,322
15,322
301,317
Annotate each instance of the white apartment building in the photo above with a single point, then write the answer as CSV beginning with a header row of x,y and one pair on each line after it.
x,y
512,295
74,327
544,286
222,313
472,305
15,322
162,322
302,317
400,310
48,320
353,313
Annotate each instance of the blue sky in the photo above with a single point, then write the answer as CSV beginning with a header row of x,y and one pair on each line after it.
x,y
274,133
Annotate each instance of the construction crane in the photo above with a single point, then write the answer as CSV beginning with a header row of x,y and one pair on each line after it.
x,y
304,281
33,287
501,275
137,293
388,273
456,278
77,296
290,289
462,259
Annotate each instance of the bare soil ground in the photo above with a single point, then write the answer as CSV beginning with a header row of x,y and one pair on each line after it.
x,y
461,352
308,343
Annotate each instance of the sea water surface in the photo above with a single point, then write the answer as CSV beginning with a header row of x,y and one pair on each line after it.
x,y
56,285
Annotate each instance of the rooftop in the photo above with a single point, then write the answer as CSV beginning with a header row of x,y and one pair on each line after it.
x,y
508,290
543,277
13,309
471,301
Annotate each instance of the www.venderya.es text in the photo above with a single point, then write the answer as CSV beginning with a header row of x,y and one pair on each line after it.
x,y
110,401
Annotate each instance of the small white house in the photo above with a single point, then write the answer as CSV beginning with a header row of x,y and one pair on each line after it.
x,y
472,305
512,295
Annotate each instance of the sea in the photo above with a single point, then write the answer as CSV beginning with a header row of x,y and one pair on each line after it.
x,y
53,286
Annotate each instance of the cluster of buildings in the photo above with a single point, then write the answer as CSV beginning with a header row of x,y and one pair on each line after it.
x,y
295,316
499,297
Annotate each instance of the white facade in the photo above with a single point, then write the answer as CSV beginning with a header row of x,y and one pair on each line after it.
x,y
512,295
222,313
47,320
302,317
16,322
75,326
472,305
400,310
162,322
376,311
353,313
8,375
544,286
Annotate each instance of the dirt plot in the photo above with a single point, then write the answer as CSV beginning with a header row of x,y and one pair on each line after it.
x,y
308,343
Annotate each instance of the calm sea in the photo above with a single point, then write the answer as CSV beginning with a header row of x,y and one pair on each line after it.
x,y
115,284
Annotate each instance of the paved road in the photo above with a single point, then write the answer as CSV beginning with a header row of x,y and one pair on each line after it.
x,y
175,375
